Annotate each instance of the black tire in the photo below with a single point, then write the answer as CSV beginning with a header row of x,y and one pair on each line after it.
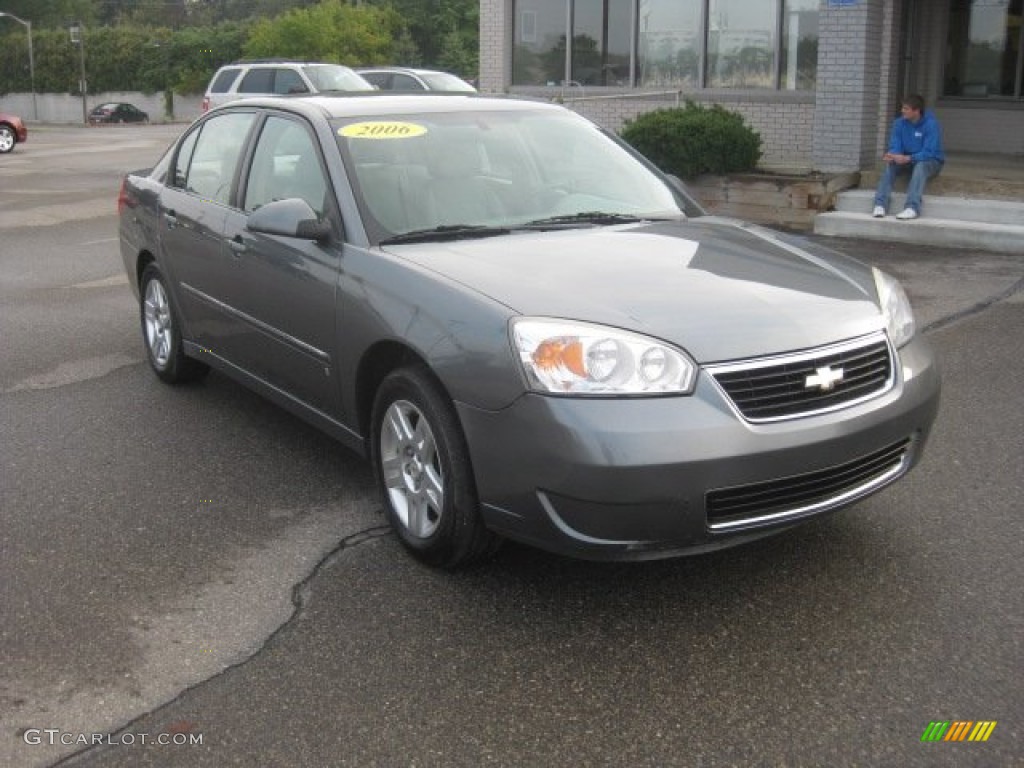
x,y
7,139
161,331
424,473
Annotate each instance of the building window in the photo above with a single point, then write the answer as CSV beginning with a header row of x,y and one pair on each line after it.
x,y
601,42
667,43
538,52
984,55
741,43
799,67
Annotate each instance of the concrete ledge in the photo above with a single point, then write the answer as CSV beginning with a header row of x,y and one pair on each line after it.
x,y
785,200
943,233
939,207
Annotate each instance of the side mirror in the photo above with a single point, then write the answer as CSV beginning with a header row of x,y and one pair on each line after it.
x,y
289,218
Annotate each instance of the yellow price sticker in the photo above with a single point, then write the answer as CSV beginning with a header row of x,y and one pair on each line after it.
x,y
382,130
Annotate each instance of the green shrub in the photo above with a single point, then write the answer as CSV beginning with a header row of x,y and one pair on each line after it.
x,y
694,139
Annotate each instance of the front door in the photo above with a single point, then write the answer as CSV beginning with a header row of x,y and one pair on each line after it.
x,y
286,286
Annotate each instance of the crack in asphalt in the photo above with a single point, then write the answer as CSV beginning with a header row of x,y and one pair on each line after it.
x,y
974,309
301,593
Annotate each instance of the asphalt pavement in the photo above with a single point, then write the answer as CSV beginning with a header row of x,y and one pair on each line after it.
x,y
834,644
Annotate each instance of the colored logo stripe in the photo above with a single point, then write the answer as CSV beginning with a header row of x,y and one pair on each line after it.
x,y
982,730
958,730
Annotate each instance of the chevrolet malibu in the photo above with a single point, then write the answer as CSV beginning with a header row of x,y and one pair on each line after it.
x,y
530,331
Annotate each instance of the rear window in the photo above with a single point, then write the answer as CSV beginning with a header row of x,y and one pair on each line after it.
x,y
222,83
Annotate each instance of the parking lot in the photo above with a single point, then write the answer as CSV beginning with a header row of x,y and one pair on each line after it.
x,y
192,577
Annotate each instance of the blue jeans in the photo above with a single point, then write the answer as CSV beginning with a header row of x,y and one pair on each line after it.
x,y
919,175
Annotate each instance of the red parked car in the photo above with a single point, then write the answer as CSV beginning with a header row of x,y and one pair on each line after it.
x,y
12,131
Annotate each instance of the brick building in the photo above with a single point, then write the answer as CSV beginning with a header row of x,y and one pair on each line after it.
x,y
820,80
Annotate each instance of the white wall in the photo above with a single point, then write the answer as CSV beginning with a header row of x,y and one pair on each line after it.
x,y
66,108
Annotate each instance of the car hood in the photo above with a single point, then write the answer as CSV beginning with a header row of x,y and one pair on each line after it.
x,y
718,288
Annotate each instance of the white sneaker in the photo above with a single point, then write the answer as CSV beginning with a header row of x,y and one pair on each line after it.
x,y
878,212
906,214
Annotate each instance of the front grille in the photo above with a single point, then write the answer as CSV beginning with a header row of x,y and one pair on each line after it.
x,y
776,501
801,384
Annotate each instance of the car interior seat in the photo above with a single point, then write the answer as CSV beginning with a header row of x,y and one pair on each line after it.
x,y
457,191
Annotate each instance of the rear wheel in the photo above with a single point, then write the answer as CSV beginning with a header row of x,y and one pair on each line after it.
x,y
424,473
161,332
7,139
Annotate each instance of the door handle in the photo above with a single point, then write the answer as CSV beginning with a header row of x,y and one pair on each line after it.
x,y
237,245
171,218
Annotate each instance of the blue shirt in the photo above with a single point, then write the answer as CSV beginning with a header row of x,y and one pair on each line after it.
x,y
921,140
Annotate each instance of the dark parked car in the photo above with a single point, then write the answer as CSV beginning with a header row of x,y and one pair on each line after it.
x,y
513,315
12,131
410,79
117,112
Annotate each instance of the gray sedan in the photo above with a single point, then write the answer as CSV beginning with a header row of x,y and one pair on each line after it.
x,y
530,331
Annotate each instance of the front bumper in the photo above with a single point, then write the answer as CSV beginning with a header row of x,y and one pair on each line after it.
x,y
632,478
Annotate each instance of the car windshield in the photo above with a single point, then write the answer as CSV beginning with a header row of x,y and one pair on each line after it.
x,y
331,77
479,172
442,81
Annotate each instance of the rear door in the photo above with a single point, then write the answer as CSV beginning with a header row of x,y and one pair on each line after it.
x,y
194,206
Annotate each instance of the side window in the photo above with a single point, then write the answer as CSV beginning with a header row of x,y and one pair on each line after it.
x,y
257,80
215,158
381,79
285,164
288,81
222,83
405,83
184,158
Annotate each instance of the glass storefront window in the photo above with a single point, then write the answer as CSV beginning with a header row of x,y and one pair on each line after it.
x,y
663,43
984,52
668,43
538,53
601,42
741,43
799,70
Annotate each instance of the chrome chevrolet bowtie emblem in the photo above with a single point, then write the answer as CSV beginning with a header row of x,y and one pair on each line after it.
x,y
824,378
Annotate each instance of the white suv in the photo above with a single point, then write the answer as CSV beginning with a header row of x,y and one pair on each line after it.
x,y
274,77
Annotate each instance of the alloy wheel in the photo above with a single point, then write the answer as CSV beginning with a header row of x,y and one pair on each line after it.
x,y
159,330
412,469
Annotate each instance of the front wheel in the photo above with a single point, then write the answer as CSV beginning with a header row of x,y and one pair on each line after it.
x,y
161,333
423,471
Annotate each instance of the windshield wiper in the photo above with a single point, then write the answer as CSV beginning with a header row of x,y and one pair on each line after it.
x,y
446,232
586,217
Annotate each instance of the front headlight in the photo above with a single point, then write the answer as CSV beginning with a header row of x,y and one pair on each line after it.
x,y
571,358
899,317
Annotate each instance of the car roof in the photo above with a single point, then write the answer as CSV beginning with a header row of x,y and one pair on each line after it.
x,y
375,103
289,62
413,70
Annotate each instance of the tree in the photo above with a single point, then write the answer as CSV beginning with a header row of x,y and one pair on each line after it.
x,y
46,14
330,31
